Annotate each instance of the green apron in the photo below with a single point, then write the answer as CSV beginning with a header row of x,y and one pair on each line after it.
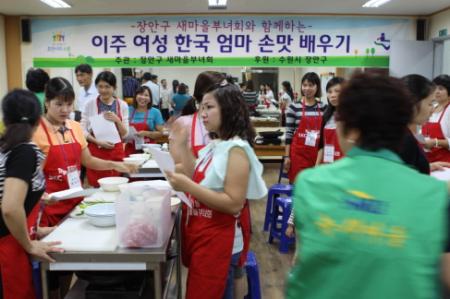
x,y
369,228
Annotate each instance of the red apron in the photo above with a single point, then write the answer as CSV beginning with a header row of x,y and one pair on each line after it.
x,y
207,242
117,153
15,265
304,156
195,148
330,140
434,130
59,158
142,126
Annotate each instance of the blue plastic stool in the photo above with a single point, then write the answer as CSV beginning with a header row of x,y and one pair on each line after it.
x,y
275,191
37,282
282,174
280,223
251,267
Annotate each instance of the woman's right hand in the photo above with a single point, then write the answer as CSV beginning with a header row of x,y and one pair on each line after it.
x,y
105,144
40,250
287,164
126,167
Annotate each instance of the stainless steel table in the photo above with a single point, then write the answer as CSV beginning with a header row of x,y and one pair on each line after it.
x,y
156,260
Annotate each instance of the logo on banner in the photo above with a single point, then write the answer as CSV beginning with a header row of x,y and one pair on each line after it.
x,y
383,42
58,42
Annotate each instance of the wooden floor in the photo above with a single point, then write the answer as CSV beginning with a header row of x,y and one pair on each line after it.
x,y
273,266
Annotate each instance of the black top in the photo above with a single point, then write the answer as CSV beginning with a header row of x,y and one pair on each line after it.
x,y
23,162
413,155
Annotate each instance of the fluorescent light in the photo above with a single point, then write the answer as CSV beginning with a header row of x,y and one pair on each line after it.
x,y
375,3
217,4
56,3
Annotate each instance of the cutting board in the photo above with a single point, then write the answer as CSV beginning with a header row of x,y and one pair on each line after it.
x,y
77,234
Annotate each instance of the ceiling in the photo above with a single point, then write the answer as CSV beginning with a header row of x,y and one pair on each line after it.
x,y
96,7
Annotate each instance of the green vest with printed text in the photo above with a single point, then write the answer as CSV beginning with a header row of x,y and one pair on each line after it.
x,y
369,227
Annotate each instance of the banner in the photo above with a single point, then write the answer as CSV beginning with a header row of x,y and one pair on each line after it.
x,y
164,41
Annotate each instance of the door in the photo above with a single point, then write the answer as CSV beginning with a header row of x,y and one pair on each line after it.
x,y
411,57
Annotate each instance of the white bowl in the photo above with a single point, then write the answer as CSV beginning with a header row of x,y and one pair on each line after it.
x,y
135,160
102,214
175,202
111,184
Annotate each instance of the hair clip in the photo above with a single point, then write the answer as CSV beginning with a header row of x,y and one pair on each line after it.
x,y
24,119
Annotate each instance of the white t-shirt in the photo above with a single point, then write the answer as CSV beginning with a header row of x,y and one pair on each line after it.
x,y
216,172
285,97
165,98
85,96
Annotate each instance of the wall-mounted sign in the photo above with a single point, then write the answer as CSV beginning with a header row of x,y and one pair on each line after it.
x,y
162,41
443,32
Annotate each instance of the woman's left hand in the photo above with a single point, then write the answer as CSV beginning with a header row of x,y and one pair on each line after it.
x,y
111,116
178,181
142,133
41,232
439,165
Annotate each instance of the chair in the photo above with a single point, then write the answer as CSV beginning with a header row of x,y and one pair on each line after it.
x,y
281,210
274,191
282,174
36,274
251,267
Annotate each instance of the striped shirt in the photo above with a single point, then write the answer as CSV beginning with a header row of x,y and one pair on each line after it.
x,y
294,115
251,98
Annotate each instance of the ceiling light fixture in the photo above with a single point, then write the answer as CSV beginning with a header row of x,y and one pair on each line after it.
x,y
217,4
375,3
56,3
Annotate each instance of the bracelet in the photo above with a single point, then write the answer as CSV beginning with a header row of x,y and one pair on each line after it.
x,y
436,144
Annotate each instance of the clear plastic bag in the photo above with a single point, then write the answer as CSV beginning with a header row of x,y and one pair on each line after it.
x,y
143,216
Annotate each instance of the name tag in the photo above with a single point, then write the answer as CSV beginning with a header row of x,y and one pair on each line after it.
x,y
73,177
328,153
311,138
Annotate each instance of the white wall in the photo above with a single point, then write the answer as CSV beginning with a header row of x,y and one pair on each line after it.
x,y
3,72
438,22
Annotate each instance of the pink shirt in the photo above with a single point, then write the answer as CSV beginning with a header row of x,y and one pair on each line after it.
x,y
201,134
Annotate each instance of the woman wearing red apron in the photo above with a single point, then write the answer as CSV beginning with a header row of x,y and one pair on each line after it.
x,y
422,93
113,110
63,142
198,138
227,172
22,185
437,129
302,142
146,120
329,149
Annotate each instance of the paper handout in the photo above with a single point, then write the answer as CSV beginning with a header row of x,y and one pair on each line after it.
x,y
165,162
443,175
104,129
71,193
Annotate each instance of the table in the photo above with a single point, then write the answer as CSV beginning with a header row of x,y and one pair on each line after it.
x,y
270,150
156,260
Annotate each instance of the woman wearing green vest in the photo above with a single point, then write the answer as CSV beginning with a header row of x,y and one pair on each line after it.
x,y
369,226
